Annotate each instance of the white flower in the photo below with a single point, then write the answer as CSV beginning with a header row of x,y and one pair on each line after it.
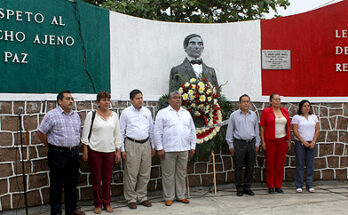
x,y
193,86
209,98
200,84
215,101
206,138
217,129
201,106
193,105
181,90
197,113
187,84
214,90
210,136
214,132
185,96
192,80
190,92
210,123
202,98
199,141
208,91
201,90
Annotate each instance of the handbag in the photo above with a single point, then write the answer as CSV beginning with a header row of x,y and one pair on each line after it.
x,y
90,129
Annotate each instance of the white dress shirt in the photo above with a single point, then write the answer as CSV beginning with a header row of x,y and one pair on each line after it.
x,y
136,124
105,135
197,68
174,130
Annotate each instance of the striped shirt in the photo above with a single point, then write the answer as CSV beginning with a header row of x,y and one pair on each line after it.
x,y
62,129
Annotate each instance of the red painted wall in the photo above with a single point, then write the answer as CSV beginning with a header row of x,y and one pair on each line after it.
x,y
312,39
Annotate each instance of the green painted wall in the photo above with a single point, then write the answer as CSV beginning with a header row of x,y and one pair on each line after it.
x,y
81,67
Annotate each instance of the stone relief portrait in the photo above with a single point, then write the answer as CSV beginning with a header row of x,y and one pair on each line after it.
x,y
193,65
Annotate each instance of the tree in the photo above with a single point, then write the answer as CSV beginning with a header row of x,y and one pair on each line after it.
x,y
199,11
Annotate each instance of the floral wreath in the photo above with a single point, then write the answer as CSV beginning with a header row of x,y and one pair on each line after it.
x,y
200,98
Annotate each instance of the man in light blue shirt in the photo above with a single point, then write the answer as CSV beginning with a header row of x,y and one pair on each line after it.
x,y
243,139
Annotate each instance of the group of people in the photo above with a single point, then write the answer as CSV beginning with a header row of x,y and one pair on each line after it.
x,y
243,138
106,139
135,138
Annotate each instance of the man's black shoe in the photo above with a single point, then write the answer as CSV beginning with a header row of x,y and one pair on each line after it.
x,y
271,190
249,192
240,193
279,190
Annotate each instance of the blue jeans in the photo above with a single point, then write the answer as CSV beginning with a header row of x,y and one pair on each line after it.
x,y
304,156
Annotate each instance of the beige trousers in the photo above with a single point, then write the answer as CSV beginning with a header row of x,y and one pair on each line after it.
x,y
173,168
137,169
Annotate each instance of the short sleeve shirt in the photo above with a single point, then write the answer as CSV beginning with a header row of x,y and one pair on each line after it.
x,y
306,128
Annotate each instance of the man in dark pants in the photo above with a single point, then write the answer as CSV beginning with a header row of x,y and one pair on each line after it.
x,y
243,139
60,131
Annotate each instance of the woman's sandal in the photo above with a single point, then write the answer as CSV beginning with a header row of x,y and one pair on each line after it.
x,y
97,210
109,209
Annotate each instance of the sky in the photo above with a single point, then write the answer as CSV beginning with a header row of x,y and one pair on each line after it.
x,y
299,6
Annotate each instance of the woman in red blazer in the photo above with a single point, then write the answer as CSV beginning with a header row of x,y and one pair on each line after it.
x,y
275,137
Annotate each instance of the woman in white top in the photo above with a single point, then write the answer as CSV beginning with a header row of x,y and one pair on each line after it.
x,y
306,130
101,149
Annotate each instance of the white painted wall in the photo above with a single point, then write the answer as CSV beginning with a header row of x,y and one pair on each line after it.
x,y
143,52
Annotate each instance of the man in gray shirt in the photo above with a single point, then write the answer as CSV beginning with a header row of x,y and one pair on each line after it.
x,y
243,139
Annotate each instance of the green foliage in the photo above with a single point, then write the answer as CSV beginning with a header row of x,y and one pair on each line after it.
x,y
199,11
163,102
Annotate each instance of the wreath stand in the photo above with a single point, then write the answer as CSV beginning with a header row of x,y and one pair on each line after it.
x,y
188,184
213,155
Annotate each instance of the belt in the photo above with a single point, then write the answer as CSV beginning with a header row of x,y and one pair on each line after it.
x,y
246,141
63,148
137,141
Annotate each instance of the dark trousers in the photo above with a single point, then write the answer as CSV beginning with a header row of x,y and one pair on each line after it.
x,y
304,156
64,166
101,165
275,160
243,152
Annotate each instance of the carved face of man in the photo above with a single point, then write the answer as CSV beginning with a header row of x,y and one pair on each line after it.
x,y
194,47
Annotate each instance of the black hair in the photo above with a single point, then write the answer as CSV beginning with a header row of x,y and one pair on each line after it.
x,y
134,92
272,95
188,37
244,95
299,112
60,95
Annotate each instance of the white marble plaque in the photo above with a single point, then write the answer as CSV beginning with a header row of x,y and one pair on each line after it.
x,y
276,59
